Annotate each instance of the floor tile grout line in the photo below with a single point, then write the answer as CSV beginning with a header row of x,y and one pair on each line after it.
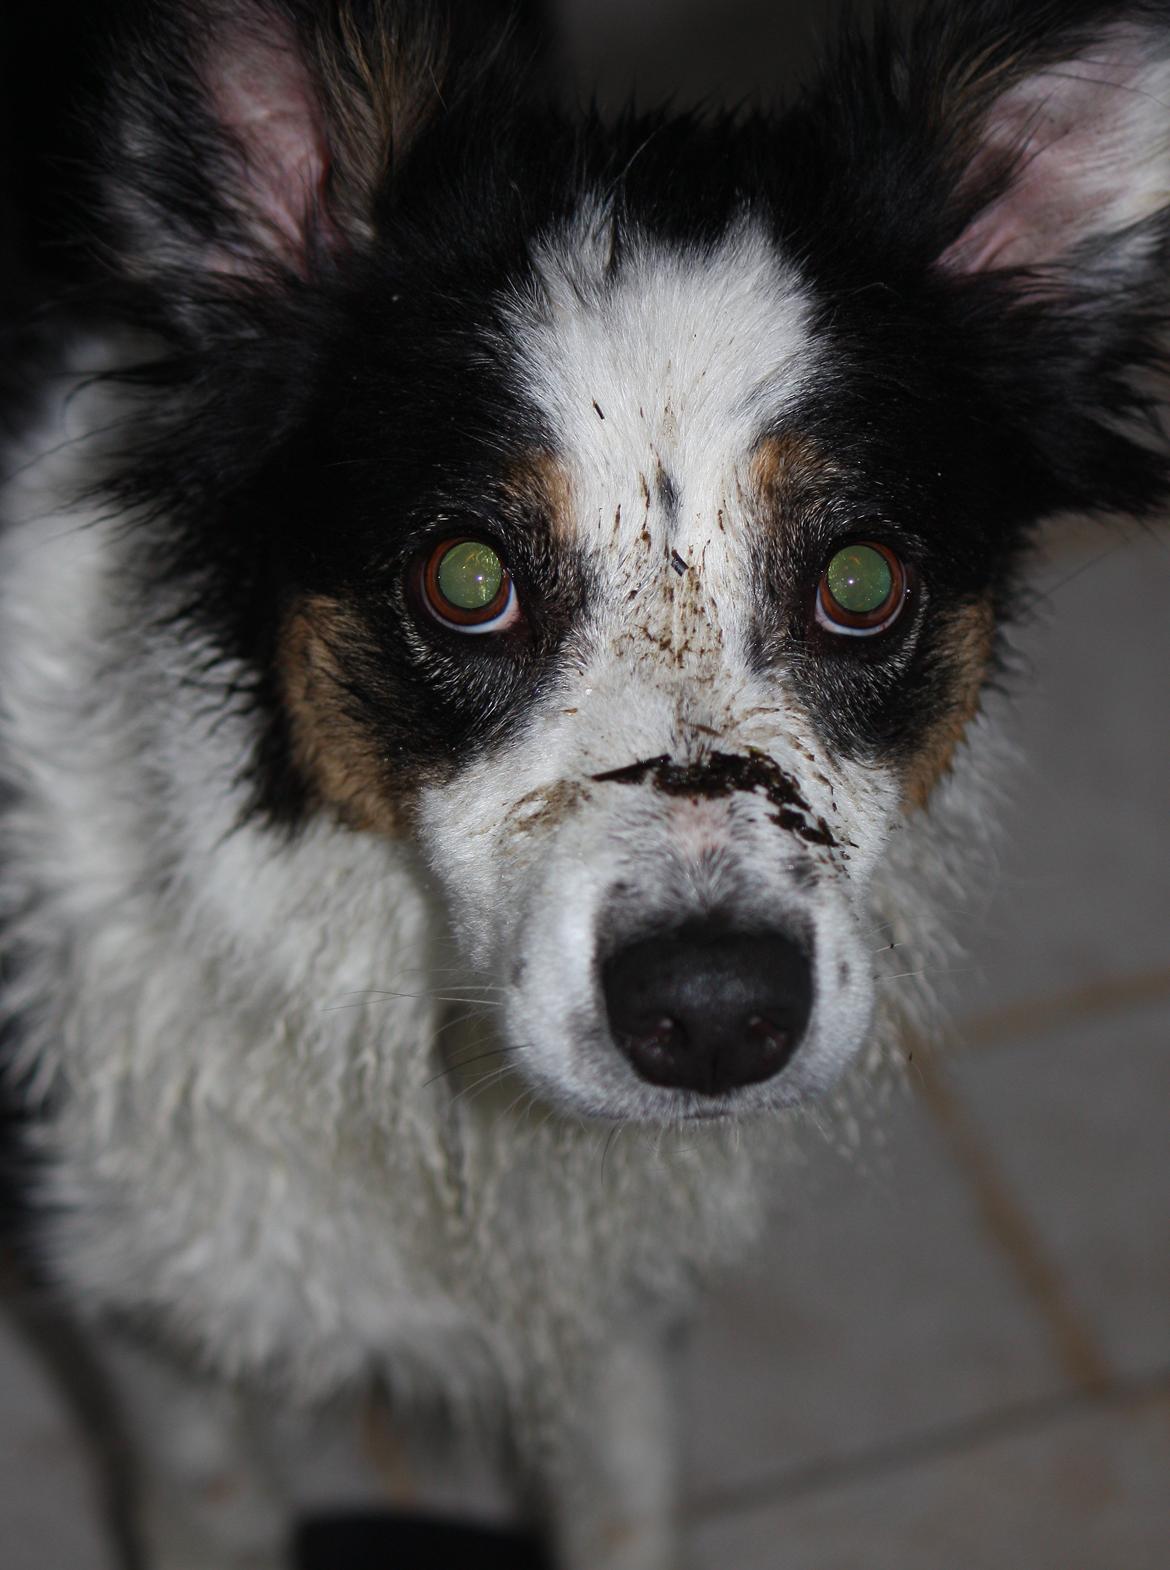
x,y
957,1439
1041,1016
1080,1351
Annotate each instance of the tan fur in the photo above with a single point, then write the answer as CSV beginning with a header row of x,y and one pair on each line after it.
x,y
538,482
380,91
968,653
335,755
788,462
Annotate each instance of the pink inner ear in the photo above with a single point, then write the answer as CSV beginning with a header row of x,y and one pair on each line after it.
x,y
262,96
1090,139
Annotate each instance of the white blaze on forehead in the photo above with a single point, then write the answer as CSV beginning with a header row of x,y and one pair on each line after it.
x,y
656,377
676,359
572,837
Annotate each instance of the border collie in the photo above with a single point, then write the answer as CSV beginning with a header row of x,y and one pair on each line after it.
x,y
491,602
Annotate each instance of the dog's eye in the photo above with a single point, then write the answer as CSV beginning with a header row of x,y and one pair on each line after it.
x,y
862,590
465,585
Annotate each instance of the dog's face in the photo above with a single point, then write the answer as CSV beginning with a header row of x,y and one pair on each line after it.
x,y
662,858
638,505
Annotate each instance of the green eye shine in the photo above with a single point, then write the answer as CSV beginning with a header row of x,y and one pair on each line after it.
x,y
466,585
469,576
862,589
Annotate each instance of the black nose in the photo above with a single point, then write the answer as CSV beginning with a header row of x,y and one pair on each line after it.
x,y
708,1009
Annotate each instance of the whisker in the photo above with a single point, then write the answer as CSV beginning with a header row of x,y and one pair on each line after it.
x,y
458,1019
930,970
368,998
390,992
469,1092
426,968
480,1057
609,1142
1050,591
527,1094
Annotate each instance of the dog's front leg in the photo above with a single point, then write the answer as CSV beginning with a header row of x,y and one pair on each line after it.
x,y
201,1496
609,1469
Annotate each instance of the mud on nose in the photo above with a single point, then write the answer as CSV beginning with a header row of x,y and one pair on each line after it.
x,y
707,1008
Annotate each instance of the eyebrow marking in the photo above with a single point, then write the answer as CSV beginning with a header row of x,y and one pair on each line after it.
x,y
786,460
537,483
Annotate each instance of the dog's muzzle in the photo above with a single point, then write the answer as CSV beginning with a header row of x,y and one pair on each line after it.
x,y
707,1008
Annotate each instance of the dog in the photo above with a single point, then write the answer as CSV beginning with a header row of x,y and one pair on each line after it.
x,y
493,606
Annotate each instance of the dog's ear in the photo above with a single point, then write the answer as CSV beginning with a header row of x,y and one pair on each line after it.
x,y
1045,131
253,139
1061,145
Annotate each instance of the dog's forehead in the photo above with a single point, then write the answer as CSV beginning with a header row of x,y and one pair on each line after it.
x,y
658,373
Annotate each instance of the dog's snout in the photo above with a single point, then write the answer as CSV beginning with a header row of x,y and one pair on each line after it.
x,y
709,1009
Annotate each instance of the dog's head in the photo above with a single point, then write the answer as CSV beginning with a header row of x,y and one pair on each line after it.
x,y
625,513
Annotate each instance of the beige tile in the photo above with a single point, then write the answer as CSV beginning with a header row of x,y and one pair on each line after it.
x,y
1079,1125
879,1310
48,1516
1089,1491
1079,895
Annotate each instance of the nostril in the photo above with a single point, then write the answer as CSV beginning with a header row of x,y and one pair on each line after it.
x,y
706,1008
657,1046
768,1035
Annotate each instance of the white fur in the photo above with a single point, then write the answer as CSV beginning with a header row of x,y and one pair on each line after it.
x,y
679,365
255,1136
252,1136
259,1062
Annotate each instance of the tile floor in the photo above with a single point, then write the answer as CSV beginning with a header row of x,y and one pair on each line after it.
x,y
955,1351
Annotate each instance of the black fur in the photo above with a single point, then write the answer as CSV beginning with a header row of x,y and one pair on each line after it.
x,y
375,389
315,422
